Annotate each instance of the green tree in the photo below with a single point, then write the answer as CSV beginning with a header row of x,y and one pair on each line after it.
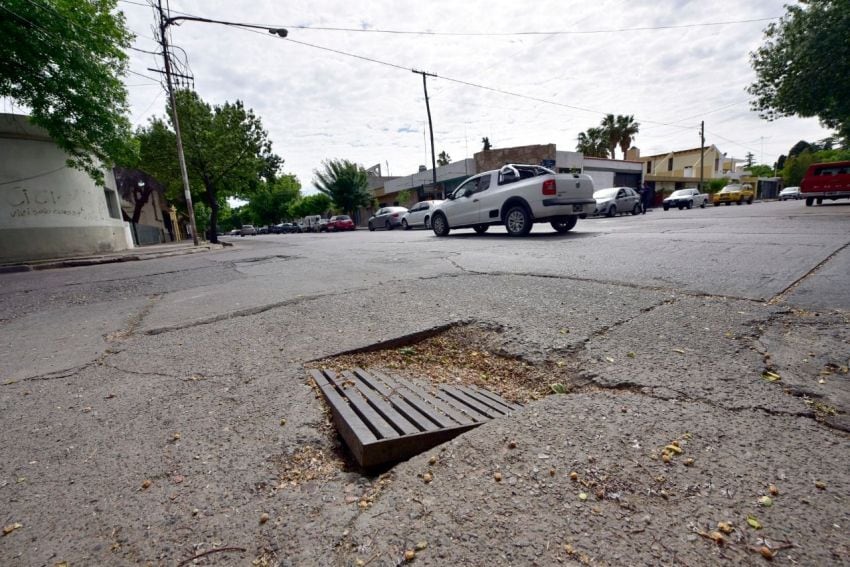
x,y
748,159
345,182
315,204
593,143
65,61
760,170
486,142
270,203
795,168
610,133
803,67
227,152
627,129
444,158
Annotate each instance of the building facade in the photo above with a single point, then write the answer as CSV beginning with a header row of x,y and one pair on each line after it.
x,y
47,209
679,169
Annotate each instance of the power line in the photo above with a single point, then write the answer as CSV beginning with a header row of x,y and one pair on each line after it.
x,y
521,33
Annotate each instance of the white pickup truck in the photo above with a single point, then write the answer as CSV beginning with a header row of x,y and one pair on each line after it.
x,y
516,196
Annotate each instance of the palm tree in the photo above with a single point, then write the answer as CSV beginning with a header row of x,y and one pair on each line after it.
x,y
611,133
345,182
627,128
593,143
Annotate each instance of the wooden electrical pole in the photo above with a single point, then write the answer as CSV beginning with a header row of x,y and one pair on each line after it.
x,y
163,28
430,126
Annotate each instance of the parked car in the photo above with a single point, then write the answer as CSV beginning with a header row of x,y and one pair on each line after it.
x,y
247,230
297,227
734,193
322,225
310,223
826,181
685,199
614,200
517,196
234,232
340,223
387,217
790,193
263,230
419,215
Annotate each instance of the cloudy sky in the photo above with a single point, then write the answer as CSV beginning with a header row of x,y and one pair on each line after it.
x,y
318,104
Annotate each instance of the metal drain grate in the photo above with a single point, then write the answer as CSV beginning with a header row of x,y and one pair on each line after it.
x,y
385,419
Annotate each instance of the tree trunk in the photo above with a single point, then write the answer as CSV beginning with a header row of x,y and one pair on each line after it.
x,y
141,201
213,203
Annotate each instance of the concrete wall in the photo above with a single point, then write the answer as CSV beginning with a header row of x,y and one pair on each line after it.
x,y
48,210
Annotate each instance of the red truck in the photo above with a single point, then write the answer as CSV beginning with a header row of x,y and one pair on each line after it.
x,y
826,181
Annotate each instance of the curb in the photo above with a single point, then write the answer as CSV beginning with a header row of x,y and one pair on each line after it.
x,y
95,261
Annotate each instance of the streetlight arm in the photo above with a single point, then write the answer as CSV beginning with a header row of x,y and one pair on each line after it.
x,y
282,32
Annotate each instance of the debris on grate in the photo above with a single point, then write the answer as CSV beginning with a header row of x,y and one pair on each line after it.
x,y
386,419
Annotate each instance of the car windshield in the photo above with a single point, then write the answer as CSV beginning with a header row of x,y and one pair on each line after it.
x,y
731,189
343,217
680,193
605,193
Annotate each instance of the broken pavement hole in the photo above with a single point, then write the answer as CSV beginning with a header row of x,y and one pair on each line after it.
x,y
469,354
402,397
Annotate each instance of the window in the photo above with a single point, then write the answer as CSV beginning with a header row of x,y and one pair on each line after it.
x,y
111,203
669,164
716,164
483,183
649,166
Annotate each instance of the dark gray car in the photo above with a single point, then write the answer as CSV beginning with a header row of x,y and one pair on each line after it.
x,y
387,217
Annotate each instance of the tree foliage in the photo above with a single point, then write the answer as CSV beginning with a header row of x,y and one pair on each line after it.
x,y
345,182
227,152
614,130
593,143
444,158
803,67
64,62
760,170
485,141
270,203
315,204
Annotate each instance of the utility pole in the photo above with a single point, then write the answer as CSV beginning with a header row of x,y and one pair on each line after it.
x,y
430,126
163,27
701,153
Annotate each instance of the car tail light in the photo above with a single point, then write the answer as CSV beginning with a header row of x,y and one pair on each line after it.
x,y
549,187
395,215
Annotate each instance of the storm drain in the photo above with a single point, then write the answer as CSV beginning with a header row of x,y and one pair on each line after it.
x,y
386,419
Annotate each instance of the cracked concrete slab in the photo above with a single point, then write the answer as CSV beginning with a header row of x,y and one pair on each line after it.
x,y
637,509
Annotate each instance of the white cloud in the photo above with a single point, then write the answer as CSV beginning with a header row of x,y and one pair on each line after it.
x,y
318,105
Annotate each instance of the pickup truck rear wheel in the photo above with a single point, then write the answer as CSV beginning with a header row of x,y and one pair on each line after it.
x,y
517,221
809,201
564,225
666,207
481,228
440,225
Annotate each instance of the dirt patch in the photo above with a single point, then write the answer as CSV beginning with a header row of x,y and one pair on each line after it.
x,y
306,464
469,354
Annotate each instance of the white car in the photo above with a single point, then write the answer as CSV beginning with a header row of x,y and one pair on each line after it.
x,y
517,196
419,215
615,200
790,193
685,199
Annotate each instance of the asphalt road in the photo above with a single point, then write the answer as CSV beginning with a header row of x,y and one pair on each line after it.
x,y
670,318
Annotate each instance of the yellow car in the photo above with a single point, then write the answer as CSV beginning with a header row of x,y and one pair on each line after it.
x,y
734,193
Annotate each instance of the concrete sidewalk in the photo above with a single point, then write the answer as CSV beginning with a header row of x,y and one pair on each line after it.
x,y
132,255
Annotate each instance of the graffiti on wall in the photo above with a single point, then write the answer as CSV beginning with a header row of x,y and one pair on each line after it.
x,y
33,202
